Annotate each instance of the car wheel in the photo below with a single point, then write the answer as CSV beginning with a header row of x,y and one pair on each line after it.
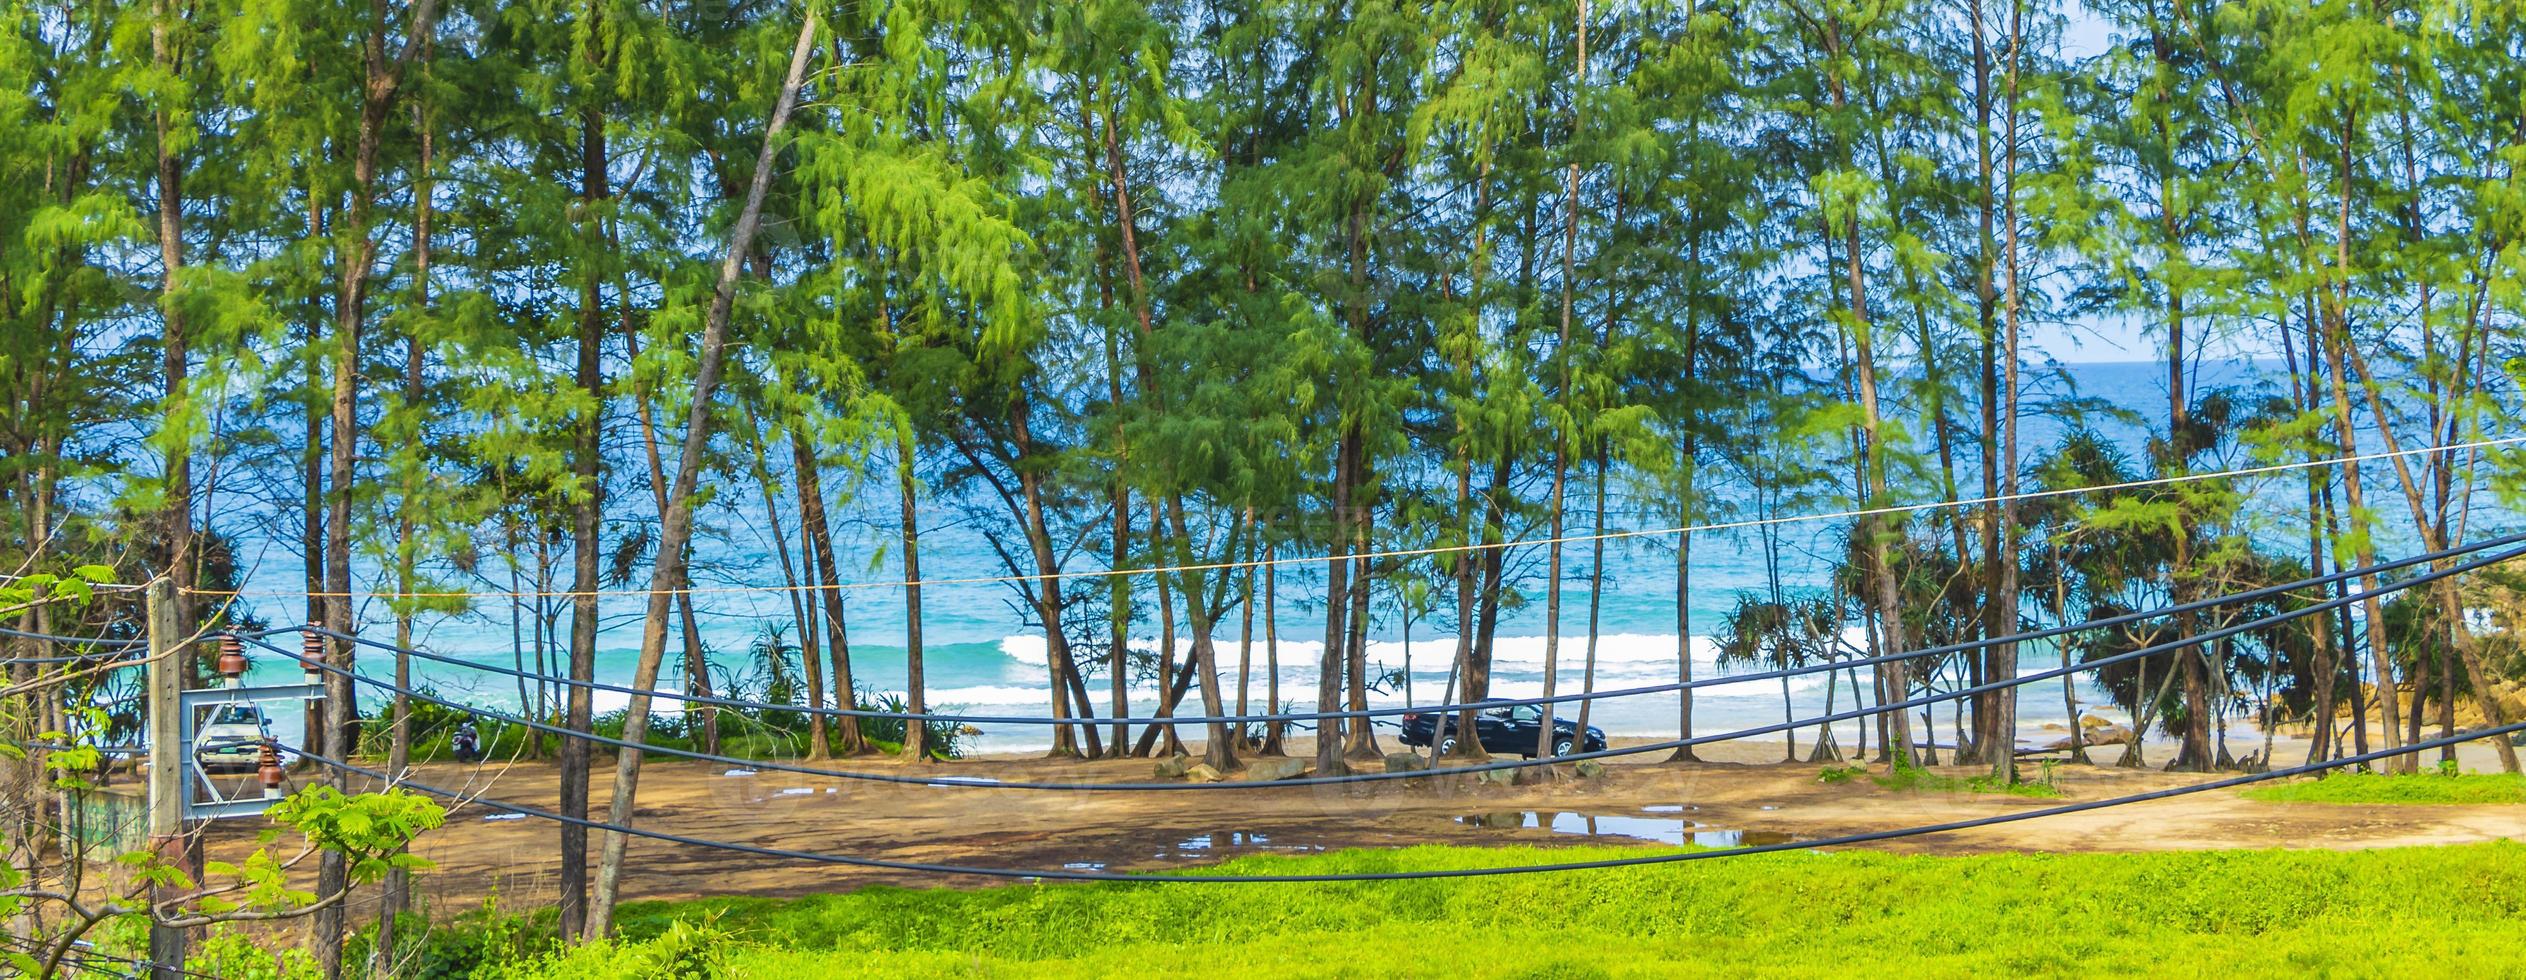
x,y
1447,746
1561,746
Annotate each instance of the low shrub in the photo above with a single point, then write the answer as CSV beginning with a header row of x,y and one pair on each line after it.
x,y
2442,787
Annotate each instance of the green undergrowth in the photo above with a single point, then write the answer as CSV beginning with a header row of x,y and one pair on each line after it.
x,y
743,733
2451,911
2430,788
2041,785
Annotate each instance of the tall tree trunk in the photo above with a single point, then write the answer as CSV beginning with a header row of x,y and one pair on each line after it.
x,y
2193,753
356,256
2000,735
1359,741
2443,592
1986,313
311,465
398,890
587,533
2346,631
2069,682
177,512
807,467
1167,692
2441,464
1493,557
1204,654
1561,430
1271,655
2303,398
704,717
1469,563
1245,626
529,702
801,601
1118,588
1596,596
1894,675
1218,750
1552,581
916,739
1127,234
677,523
1688,464
1352,496
1886,606
1062,672
2346,434
1337,587
2176,455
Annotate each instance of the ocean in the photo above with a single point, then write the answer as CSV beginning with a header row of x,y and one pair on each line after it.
x,y
982,657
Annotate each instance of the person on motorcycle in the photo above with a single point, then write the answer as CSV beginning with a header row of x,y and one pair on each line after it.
x,y
467,743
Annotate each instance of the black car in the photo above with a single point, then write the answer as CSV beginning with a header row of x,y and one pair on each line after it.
x,y
1505,728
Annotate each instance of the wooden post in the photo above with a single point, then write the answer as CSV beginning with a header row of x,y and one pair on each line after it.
x,y
166,768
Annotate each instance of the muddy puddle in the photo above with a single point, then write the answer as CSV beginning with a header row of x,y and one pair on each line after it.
x,y
1656,824
1652,825
1223,845
1214,847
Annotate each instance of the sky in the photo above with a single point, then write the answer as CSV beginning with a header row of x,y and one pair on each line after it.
x,y
2108,338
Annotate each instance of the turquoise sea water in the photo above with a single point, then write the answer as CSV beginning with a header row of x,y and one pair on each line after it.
x,y
982,655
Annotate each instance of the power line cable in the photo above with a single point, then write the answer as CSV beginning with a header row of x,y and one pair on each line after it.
x,y
1610,752
1072,874
82,953
1607,694
97,641
1418,552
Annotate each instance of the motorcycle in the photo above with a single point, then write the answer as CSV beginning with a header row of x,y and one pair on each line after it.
x,y
467,743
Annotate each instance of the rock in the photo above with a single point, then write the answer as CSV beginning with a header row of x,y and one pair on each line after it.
x,y
1497,777
1174,768
1203,773
1536,775
2106,733
1267,770
1591,769
1405,762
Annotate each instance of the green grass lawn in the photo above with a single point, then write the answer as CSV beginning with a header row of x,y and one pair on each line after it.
x,y
2451,911
2424,788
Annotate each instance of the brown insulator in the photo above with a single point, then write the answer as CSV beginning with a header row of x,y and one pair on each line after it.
x,y
269,770
312,652
232,660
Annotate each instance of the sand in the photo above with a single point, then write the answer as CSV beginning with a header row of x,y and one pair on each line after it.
x,y
1741,787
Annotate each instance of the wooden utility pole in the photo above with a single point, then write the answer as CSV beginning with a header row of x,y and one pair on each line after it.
x,y
166,769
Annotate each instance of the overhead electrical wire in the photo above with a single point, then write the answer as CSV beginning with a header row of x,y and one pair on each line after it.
x,y
1870,711
83,955
1606,694
1611,752
1417,552
84,959
96,641
1074,874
